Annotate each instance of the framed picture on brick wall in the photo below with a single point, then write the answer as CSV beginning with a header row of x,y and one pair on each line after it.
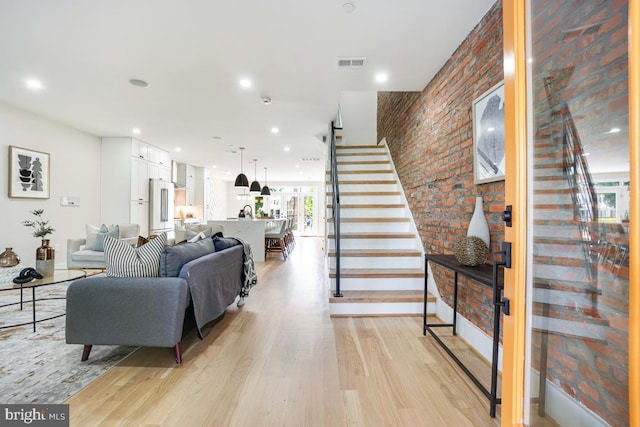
x,y
488,136
28,173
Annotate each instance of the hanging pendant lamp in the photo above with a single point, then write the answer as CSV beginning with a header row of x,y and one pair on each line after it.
x,y
255,185
265,190
241,179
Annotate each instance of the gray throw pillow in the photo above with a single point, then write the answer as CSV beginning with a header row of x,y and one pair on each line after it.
x,y
174,257
222,243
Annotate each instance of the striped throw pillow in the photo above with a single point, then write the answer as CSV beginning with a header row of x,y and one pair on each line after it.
x,y
123,260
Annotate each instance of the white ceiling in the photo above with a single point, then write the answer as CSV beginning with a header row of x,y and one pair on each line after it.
x,y
193,54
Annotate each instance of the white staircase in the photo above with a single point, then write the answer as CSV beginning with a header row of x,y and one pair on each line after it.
x,y
381,257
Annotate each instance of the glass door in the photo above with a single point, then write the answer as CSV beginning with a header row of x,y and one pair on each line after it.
x,y
574,139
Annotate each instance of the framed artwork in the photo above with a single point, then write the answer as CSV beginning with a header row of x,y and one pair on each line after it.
x,y
488,136
28,173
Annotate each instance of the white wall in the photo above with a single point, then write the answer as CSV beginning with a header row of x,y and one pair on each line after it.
x,y
75,171
359,118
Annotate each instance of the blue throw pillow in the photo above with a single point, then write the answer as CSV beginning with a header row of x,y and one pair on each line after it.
x,y
102,233
222,243
174,257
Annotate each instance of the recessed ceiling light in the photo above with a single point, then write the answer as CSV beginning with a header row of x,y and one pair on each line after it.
x,y
275,130
348,7
216,137
178,149
214,166
34,84
382,77
139,83
287,148
245,83
297,166
136,131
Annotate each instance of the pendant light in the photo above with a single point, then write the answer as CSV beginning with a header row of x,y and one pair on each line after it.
x,y
265,190
255,185
241,179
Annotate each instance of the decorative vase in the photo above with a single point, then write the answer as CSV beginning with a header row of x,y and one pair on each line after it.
x,y
8,258
478,225
45,259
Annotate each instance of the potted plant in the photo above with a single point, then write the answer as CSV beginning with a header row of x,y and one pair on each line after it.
x,y
45,254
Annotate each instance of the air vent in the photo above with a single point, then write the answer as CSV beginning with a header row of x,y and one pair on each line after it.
x,y
310,159
351,62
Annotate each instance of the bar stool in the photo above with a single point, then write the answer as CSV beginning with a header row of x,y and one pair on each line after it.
x,y
274,241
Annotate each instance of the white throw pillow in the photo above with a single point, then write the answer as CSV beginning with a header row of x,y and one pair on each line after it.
x,y
92,236
123,260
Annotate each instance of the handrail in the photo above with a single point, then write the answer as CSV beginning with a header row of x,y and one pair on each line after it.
x,y
335,206
576,171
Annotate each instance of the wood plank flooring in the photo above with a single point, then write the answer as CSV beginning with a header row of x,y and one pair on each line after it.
x,y
282,361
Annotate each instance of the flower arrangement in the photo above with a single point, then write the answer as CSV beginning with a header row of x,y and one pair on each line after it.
x,y
40,226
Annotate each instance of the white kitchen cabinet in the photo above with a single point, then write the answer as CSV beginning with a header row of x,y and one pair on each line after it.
x,y
125,172
186,175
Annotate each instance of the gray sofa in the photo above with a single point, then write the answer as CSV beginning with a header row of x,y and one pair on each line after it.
x,y
150,311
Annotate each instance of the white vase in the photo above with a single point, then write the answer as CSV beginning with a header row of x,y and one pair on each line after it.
x,y
478,225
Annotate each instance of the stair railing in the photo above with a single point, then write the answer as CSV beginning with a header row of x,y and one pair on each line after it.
x,y
576,171
335,205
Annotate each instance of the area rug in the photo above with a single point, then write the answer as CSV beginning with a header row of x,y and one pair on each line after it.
x,y
39,367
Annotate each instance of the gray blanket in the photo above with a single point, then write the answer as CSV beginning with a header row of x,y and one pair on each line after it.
x,y
214,280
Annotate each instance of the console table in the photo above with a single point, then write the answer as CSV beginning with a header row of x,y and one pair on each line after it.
x,y
482,274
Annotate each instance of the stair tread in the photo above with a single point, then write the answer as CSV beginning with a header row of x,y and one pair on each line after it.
x,y
369,205
364,153
373,235
377,272
363,220
348,147
376,253
366,193
364,171
366,181
364,162
381,297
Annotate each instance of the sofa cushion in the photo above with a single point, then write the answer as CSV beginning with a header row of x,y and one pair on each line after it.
x,y
91,236
123,260
174,257
191,233
87,255
222,243
128,230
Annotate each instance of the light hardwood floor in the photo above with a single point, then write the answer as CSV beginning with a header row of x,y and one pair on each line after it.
x,y
282,361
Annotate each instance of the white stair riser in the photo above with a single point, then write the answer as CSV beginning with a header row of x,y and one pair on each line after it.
x,y
364,177
569,232
374,244
352,200
359,150
371,227
555,272
564,215
367,187
377,262
388,308
559,250
551,184
362,158
381,284
372,212
364,166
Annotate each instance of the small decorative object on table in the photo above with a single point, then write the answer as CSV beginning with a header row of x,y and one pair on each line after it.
x,y
45,254
8,258
471,251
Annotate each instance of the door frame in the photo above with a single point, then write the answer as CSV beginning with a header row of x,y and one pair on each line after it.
x,y
514,326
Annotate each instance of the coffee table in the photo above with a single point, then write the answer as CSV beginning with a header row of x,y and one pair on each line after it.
x,y
59,276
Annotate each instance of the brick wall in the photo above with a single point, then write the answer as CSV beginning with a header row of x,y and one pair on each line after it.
x,y
430,136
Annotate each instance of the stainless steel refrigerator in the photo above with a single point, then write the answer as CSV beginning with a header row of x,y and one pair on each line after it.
x,y
161,202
